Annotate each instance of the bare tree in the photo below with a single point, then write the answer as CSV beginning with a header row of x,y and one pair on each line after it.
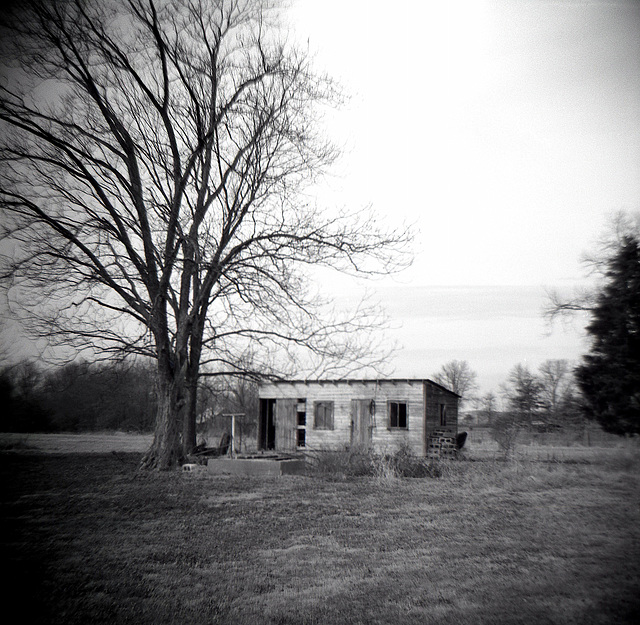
x,y
487,404
596,262
505,430
458,377
522,394
221,397
557,388
155,155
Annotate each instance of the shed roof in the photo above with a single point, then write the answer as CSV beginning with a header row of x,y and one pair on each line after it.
x,y
380,381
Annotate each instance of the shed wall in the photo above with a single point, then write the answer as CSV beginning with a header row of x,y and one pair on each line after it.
x,y
435,396
412,393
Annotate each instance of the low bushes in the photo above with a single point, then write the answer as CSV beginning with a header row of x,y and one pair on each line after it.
x,y
354,462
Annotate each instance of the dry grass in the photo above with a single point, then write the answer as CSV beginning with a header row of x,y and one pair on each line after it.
x,y
84,443
391,464
90,540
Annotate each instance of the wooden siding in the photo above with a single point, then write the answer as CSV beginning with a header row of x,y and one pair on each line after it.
x,y
434,397
412,392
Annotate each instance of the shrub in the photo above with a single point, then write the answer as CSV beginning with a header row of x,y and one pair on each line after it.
x,y
404,463
505,430
355,462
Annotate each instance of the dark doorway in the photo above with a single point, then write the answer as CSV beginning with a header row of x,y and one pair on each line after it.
x,y
267,424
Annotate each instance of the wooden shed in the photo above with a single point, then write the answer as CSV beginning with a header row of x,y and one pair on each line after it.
x,y
334,414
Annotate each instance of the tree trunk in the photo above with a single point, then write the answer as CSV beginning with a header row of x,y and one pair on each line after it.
x,y
189,417
165,451
191,384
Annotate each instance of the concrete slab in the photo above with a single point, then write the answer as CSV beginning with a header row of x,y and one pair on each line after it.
x,y
266,467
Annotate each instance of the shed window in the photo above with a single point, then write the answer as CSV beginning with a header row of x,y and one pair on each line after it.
x,y
323,415
397,414
443,414
301,430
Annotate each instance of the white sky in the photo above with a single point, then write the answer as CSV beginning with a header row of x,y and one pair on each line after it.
x,y
508,132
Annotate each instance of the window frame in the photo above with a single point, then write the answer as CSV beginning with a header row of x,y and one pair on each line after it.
x,y
443,415
301,423
324,404
398,414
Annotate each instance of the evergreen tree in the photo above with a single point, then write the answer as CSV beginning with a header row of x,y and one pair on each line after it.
x,y
609,376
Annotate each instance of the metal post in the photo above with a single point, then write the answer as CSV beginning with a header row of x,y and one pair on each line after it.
x,y
233,430
233,435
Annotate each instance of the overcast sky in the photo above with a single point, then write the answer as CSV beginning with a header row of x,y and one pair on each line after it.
x,y
508,132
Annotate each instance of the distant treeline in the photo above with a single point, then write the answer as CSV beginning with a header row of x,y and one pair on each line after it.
x,y
77,397
84,397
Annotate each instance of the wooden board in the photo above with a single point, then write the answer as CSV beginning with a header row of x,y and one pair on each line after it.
x,y
286,424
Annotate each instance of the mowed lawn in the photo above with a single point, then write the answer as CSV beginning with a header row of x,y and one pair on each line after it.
x,y
88,539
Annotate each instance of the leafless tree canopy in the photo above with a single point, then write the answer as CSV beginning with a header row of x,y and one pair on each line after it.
x,y
557,382
458,377
154,158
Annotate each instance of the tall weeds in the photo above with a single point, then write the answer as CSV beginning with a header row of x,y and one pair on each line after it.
x,y
385,466
521,472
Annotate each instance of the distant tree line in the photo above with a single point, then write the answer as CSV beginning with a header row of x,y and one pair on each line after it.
x,y
78,397
543,400
104,396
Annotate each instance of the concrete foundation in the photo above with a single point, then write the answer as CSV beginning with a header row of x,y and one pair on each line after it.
x,y
265,467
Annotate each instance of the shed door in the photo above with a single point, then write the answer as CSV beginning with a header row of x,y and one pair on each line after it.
x,y
286,424
361,423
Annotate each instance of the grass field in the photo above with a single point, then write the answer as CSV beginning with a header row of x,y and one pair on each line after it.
x,y
88,539
87,443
